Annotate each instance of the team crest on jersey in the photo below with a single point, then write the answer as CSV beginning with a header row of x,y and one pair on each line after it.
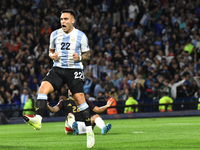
x,y
59,39
73,39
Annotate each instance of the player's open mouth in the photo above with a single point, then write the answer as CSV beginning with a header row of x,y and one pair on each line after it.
x,y
63,26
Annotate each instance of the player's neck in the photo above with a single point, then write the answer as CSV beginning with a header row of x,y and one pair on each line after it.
x,y
67,32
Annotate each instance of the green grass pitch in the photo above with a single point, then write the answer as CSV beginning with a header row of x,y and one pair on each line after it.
x,y
177,133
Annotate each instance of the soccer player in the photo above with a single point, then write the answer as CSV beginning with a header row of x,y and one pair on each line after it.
x,y
74,122
68,48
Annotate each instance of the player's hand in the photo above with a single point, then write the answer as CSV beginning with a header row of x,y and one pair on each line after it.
x,y
75,57
54,56
47,104
110,102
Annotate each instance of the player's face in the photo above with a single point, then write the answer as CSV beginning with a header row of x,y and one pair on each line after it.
x,y
66,21
69,93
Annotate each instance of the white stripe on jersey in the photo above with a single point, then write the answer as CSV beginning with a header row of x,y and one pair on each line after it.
x,y
66,44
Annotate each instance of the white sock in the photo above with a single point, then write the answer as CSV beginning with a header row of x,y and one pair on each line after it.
x,y
66,123
88,129
70,119
99,122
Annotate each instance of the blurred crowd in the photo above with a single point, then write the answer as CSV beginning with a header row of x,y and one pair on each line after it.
x,y
142,48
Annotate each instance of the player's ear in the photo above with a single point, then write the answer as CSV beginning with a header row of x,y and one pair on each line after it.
x,y
73,20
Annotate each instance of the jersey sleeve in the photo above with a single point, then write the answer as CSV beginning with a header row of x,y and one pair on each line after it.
x,y
51,42
60,104
84,44
91,105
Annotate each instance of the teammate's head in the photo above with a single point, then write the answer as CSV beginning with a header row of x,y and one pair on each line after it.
x,y
63,96
67,20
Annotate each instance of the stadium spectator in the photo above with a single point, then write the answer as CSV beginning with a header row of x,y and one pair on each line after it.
x,y
111,111
116,81
130,78
193,88
92,67
16,98
165,100
89,97
30,104
111,71
197,94
25,86
13,68
100,97
98,88
24,97
131,101
125,82
1,99
53,97
174,86
87,85
147,80
133,10
107,84
165,88
140,80
197,79
121,96
113,93
3,95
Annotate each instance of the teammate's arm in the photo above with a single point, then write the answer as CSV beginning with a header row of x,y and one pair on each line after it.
x,y
53,55
97,109
52,109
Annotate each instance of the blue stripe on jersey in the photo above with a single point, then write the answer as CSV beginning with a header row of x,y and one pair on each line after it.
x,y
87,44
64,62
55,38
77,48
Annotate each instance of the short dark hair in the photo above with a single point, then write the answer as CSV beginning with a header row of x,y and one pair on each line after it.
x,y
64,94
72,12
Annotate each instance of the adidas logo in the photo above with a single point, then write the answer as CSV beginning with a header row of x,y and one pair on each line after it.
x,y
88,119
69,104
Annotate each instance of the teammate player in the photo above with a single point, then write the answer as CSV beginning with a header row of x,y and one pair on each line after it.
x,y
68,48
74,122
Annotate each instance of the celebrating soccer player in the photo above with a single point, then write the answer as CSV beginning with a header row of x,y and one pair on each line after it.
x,y
68,48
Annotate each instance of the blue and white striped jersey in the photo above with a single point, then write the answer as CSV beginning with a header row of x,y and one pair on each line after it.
x,y
66,44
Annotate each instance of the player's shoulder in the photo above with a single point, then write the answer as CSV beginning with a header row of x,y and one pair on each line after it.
x,y
60,102
68,100
80,33
56,32
89,102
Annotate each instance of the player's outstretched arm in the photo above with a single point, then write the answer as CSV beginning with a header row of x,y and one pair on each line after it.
x,y
52,109
103,108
